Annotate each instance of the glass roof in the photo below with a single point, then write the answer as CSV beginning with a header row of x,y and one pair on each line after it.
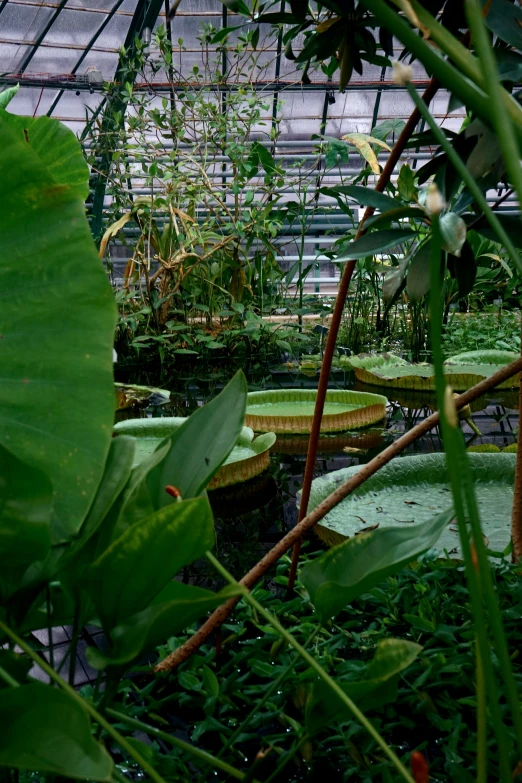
x,y
50,48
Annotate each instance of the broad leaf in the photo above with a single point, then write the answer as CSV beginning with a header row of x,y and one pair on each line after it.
x,y
56,147
174,609
378,686
201,445
393,283
376,242
463,269
139,564
44,730
57,322
345,572
25,517
505,20
406,186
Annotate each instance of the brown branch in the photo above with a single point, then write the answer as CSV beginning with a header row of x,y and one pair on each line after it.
x,y
340,301
306,524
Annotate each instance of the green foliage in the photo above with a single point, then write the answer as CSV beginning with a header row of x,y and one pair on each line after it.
x,y
61,379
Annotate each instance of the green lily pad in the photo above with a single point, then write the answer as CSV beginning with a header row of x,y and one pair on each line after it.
x,y
462,371
291,410
414,489
249,457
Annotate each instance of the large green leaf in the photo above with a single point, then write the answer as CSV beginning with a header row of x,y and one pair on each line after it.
x,y
505,20
174,609
138,565
57,321
377,687
376,242
56,147
355,566
201,445
25,516
410,490
44,730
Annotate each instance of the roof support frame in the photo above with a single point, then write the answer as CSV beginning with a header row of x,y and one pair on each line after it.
x,y
91,43
146,14
31,53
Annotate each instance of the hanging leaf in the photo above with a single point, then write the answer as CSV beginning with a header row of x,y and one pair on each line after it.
x,y
453,231
377,242
418,280
464,269
394,281
362,141
113,231
346,61
406,187
44,730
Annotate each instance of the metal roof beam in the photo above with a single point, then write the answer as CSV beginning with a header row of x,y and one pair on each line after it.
x,y
31,53
91,43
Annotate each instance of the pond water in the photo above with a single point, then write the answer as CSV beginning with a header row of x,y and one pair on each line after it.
x,y
251,517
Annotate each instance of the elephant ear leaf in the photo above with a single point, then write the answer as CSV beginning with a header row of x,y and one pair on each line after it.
x,y
44,730
57,324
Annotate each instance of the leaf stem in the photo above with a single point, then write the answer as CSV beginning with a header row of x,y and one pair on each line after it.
x,y
178,743
334,687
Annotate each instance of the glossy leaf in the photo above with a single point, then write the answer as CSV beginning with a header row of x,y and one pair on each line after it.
x,y
138,565
172,611
376,242
354,567
44,730
393,283
201,445
25,517
57,323
505,20
366,197
376,688
453,231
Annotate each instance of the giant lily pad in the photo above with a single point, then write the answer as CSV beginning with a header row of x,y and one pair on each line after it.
x,y
462,371
414,489
292,410
249,457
